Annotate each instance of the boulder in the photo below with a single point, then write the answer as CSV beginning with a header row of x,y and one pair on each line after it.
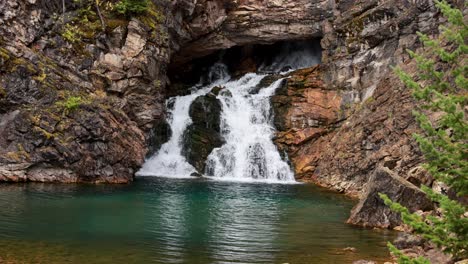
x,y
371,211
203,135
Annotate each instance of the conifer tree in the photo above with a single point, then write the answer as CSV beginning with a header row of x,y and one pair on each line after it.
x,y
441,87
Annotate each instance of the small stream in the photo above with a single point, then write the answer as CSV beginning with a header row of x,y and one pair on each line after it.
x,y
160,220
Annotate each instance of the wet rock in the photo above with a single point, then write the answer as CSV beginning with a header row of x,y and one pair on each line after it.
x,y
124,69
205,112
371,210
265,82
216,90
160,134
195,174
247,65
203,135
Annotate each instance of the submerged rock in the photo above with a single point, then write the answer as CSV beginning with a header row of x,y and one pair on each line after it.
x,y
371,211
195,174
203,135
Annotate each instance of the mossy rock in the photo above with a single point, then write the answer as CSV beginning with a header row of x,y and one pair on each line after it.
x,y
199,142
205,111
203,135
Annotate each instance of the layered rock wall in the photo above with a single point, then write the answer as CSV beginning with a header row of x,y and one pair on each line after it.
x,y
368,120
77,102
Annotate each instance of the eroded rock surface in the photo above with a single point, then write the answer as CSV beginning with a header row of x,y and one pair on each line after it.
x,y
244,22
363,114
305,113
77,103
371,211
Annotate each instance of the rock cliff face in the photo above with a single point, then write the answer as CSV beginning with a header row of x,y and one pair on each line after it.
x,y
363,115
77,102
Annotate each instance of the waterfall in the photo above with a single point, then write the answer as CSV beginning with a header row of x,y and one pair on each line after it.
x,y
168,161
246,125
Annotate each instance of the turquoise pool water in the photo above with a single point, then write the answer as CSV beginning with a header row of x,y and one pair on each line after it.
x,y
157,220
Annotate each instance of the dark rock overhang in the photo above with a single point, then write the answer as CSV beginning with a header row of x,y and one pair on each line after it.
x,y
250,23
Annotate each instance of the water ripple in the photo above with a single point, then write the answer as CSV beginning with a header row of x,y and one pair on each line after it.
x,y
158,220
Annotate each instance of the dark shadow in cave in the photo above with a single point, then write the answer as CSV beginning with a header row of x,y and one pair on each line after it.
x,y
244,59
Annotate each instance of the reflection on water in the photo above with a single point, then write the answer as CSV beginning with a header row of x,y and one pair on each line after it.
x,y
158,220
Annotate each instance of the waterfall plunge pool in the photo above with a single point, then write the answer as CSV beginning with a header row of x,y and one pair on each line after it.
x,y
160,220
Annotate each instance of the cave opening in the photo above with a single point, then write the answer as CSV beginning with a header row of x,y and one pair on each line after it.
x,y
259,58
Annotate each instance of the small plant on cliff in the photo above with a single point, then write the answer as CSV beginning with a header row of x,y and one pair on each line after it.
x,y
441,88
132,7
70,103
71,33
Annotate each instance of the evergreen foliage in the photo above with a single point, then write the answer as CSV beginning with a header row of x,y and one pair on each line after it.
x,y
441,87
132,7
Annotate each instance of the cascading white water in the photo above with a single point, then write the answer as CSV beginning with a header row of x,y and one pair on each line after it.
x,y
168,161
247,127
249,153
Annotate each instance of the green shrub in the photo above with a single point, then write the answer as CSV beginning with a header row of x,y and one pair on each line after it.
x,y
132,7
71,33
70,104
